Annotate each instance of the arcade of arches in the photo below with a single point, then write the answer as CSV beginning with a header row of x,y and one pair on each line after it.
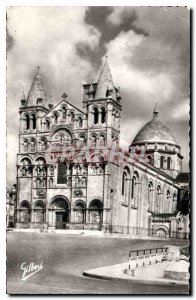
x,y
61,215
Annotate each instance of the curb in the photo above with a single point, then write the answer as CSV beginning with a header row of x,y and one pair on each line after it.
x,y
135,279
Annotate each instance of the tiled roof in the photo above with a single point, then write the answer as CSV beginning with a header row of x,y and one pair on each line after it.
x,y
104,83
37,91
155,131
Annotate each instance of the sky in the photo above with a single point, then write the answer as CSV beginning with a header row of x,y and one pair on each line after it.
x,y
148,51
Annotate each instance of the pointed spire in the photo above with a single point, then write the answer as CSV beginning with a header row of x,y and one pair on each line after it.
x,y
91,89
105,82
155,111
23,99
23,96
51,103
118,94
37,90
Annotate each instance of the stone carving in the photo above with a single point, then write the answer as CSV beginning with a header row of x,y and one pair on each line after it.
x,y
78,193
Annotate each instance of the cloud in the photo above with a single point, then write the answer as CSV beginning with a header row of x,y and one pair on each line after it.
x,y
181,112
45,36
147,85
148,50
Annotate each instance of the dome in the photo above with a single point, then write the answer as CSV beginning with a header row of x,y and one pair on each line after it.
x,y
155,131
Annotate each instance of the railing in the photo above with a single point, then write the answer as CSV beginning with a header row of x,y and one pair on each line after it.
x,y
142,231
140,258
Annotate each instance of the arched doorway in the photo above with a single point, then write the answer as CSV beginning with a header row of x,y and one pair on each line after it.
x,y
39,212
79,212
161,231
96,212
25,212
60,207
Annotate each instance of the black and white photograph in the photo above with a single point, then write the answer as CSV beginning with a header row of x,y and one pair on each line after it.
x,y
98,175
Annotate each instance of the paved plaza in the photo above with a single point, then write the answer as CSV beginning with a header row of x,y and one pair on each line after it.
x,y
65,257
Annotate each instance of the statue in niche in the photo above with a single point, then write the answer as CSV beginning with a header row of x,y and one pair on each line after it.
x,y
41,171
25,144
32,145
77,181
51,182
44,171
94,169
23,171
78,193
69,181
84,170
51,171
83,181
43,145
77,168
100,168
68,171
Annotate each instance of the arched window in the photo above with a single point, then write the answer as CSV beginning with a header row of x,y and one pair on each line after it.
x,y
124,177
47,125
64,112
96,211
80,122
34,121
55,118
135,190
103,115
158,208
93,141
150,196
149,160
27,119
169,163
167,205
174,206
162,161
62,173
96,115
79,212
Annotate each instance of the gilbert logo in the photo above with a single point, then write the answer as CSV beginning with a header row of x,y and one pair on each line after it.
x,y
29,270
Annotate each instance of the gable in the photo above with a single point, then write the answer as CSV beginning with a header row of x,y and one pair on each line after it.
x,y
64,103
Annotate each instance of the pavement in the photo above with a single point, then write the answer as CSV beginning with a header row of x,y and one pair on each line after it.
x,y
116,272
64,259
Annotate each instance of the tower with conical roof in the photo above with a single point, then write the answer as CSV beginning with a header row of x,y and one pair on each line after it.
x,y
34,107
101,101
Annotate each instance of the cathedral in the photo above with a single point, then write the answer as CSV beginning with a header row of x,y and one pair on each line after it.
x,y
73,175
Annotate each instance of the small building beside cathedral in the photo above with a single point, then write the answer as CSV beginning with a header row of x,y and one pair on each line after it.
x,y
72,173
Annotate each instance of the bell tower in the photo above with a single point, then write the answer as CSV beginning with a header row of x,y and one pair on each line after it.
x,y
32,109
101,102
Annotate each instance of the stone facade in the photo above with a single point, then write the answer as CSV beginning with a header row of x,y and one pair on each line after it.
x,y
68,172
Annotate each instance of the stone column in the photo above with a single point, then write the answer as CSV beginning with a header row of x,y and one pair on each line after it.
x,y
30,123
109,115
